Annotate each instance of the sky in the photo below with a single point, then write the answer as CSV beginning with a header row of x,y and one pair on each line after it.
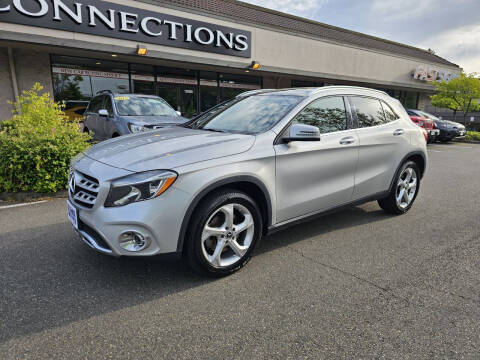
x,y
449,27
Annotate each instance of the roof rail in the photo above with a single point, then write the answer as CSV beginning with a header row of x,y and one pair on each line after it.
x,y
104,91
348,87
255,92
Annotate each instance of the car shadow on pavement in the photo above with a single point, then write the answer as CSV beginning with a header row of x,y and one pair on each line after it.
x,y
315,227
49,278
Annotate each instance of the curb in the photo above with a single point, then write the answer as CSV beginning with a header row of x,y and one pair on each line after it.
x,y
22,197
467,141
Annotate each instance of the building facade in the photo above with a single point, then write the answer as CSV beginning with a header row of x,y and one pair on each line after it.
x,y
195,53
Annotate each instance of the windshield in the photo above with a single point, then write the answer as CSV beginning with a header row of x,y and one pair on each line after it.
x,y
429,116
250,115
200,119
142,106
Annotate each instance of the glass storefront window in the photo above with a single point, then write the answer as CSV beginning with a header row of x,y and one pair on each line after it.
x,y
71,87
81,79
303,83
409,99
186,90
179,88
208,90
143,79
231,85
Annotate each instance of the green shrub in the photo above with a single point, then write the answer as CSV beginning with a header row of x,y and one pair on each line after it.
x,y
472,136
37,144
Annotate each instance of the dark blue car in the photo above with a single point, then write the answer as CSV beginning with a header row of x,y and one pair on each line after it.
x,y
110,115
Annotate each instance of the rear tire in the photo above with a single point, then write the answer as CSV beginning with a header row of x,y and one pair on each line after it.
x,y
404,191
223,233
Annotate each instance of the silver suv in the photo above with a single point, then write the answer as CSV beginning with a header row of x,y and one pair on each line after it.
x,y
209,190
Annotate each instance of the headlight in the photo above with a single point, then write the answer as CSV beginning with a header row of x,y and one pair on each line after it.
x,y
139,187
134,128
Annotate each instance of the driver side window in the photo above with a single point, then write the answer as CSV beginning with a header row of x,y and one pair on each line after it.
x,y
108,106
328,114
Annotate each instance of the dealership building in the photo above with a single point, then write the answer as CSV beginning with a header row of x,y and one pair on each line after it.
x,y
195,53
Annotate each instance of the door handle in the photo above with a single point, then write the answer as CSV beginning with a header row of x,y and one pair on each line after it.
x,y
347,140
398,132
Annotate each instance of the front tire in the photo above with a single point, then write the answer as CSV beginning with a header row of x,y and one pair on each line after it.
x,y
225,230
404,191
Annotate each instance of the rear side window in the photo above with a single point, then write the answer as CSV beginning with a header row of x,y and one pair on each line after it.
x,y
369,111
390,114
328,114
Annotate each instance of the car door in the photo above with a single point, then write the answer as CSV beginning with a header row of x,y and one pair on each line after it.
x,y
108,122
383,141
92,118
312,176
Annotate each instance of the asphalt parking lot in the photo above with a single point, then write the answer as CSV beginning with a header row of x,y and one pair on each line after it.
x,y
355,284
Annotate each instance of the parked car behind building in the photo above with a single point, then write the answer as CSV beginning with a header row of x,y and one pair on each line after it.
x,y
74,109
110,115
428,124
448,130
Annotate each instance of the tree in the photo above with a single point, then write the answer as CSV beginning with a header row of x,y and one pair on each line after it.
x,y
460,94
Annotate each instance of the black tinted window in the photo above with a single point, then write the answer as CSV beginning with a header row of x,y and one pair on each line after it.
x,y
369,111
96,104
390,114
328,114
108,106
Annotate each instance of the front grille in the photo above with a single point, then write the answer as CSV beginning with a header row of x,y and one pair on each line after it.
x,y
83,189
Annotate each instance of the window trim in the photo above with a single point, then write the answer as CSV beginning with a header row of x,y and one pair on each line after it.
x,y
354,115
384,103
349,123
109,98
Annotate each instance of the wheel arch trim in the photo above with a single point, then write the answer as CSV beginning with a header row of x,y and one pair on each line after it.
x,y
216,185
409,155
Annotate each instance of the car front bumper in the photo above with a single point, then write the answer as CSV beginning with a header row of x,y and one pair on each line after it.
x,y
158,220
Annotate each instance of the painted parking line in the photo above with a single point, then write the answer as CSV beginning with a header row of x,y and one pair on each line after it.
x,y
23,204
453,146
434,150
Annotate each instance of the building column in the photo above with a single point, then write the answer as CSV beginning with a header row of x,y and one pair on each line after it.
x,y
6,88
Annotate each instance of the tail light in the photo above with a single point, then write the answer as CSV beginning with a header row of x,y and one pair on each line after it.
x,y
425,134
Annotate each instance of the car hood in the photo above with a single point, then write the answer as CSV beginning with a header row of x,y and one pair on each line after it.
x,y
155,120
168,148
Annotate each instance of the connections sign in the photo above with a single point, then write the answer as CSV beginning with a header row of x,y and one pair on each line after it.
x,y
115,21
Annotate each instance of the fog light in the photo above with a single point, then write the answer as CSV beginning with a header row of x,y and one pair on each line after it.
x,y
133,241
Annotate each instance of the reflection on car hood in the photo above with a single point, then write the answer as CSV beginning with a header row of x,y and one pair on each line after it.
x,y
155,120
168,148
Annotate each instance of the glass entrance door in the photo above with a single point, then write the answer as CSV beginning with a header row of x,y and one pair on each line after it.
x,y
182,98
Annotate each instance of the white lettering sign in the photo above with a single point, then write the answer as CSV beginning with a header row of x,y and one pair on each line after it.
x,y
105,18
431,74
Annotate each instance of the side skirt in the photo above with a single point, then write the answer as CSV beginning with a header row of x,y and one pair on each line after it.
x,y
286,224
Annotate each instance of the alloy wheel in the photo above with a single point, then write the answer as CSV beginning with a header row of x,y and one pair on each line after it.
x,y
227,235
406,188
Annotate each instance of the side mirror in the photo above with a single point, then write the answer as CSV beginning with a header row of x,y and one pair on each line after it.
x,y
178,113
302,132
103,112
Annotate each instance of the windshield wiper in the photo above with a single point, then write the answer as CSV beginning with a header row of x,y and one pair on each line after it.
x,y
214,130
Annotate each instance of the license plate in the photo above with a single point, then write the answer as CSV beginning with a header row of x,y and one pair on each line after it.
x,y
432,132
72,215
